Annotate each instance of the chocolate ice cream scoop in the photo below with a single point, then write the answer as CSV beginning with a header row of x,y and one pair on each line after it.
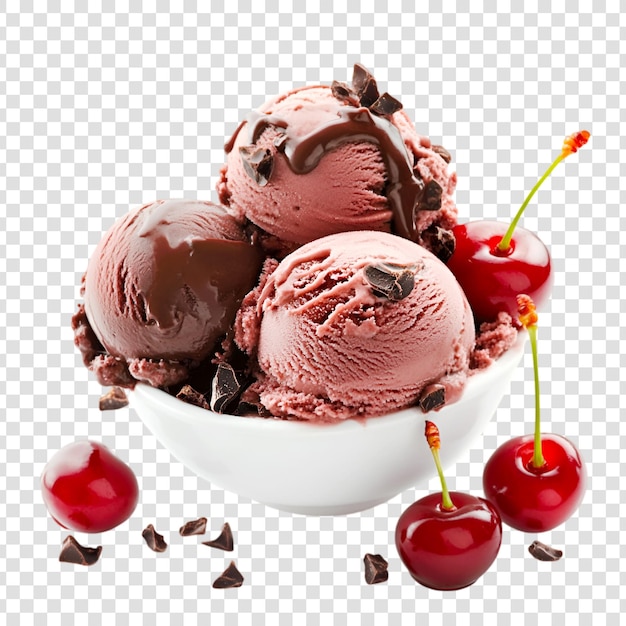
x,y
162,287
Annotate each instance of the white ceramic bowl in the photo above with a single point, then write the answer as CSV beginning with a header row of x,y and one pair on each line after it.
x,y
323,469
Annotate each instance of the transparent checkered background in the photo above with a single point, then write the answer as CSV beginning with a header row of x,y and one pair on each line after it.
x,y
103,110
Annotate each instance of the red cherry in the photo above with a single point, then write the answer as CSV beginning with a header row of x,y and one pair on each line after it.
x,y
88,489
448,540
535,499
494,262
537,481
492,279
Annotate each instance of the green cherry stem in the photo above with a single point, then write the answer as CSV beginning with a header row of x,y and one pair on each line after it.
x,y
528,318
570,145
434,442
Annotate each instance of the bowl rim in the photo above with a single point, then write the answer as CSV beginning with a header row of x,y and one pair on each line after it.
x,y
183,412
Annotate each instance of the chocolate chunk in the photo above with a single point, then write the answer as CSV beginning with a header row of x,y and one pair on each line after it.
x,y
258,163
191,396
364,84
386,105
155,542
431,197
194,527
543,552
442,152
391,281
231,577
73,552
439,241
113,399
433,397
226,387
343,92
375,569
224,541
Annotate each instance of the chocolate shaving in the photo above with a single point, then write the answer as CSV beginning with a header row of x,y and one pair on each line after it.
x,y
375,569
189,395
543,552
343,92
194,527
433,397
386,105
155,542
226,387
224,541
442,152
113,399
439,241
364,84
231,577
391,281
431,197
258,163
73,552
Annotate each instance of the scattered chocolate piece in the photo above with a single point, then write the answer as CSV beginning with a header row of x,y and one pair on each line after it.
x,y
224,541
443,153
431,197
258,163
194,527
191,396
386,105
364,84
155,542
375,569
439,241
225,388
113,399
73,552
391,281
543,552
433,397
231,577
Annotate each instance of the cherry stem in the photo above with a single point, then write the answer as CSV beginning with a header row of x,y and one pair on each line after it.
x,y
538,460
432,437
505,242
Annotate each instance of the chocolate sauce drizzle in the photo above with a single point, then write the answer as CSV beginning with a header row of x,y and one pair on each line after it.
x,y
405,189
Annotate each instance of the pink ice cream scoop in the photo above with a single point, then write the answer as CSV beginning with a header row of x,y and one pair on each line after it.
x,y
357,324
325,159
162,287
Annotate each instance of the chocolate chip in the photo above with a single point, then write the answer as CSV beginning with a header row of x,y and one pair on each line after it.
x,y
73,552
543,552
258,163
343,92
113,399
155,542
224,541
375,569
194,527
231,577
443,153
191,396
391,281
439,241
431,197
433,397
386,105
226,387
364,84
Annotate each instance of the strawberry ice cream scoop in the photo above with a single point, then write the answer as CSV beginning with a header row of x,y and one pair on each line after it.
x,y
357,324
161,289
325,159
